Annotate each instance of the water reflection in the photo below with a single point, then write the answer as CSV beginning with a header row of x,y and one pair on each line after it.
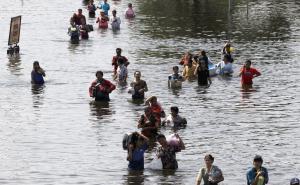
x,y
138,102
246,92
135,177
37,95
176,91
73,47
100,109
201,89
215,19
14,63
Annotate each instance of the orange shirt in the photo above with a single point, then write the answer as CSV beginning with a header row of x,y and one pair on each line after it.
x,y
248,75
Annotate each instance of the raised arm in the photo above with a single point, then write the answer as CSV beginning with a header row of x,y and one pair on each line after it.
x,y
199,177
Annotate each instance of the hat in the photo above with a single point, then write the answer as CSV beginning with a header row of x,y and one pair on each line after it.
x,y
258,158
294,181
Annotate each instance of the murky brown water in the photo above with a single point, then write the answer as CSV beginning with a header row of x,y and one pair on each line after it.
x,y
53,135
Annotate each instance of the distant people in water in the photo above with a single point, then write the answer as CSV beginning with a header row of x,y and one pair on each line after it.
x,y
175,80
227,50
129,13
210,174
247,74
295,181
78,19
189,71
115,59
84,32
202,72
138,86
167,151
225,66
115,21
186,58
122,71
37,74
102,20
257,175
156,108
137,145
101,88
204,57
74,33
92,8
174,119
148,123
104,6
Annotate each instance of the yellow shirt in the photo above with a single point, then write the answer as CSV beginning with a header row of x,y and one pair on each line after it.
x,y
188,72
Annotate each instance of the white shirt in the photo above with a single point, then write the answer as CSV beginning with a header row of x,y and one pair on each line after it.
x,y
115,23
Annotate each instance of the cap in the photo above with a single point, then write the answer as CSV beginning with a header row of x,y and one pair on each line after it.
x,y
294,181
258,158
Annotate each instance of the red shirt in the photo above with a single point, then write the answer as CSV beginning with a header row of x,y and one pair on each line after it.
x,y
103,87
115,62
157,111
248,75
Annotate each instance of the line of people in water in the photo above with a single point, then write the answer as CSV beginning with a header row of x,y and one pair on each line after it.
x,y
154,117
80,29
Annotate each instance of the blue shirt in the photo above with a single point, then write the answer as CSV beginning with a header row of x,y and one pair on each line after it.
x,y
176,77
137,162
36,78
251,174
105,7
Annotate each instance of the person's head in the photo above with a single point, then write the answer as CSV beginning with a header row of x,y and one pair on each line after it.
x,y
119,51
153,100
134,139
161,139
137,74
203,53
175,69
129,5
91,1
174,111
105,1
209,160
248,64
114,13
295,181
79,11
257,162
36,65
99,75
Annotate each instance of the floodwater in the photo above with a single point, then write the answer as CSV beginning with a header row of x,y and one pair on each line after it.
x,y
54,135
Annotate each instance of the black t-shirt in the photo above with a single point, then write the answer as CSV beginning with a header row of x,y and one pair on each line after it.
x,y
203,75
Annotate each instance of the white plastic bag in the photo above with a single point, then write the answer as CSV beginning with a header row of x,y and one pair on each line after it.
x,y
155,164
